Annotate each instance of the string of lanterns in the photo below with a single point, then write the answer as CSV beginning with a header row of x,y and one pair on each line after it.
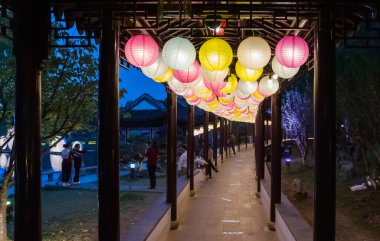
x,y
208,83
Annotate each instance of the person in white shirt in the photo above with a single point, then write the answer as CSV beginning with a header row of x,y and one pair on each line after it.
x,y
182,163
66,164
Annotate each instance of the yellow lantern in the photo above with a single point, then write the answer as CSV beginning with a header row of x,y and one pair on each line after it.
x,y
215,54
165,77
246,74
231,85
257,95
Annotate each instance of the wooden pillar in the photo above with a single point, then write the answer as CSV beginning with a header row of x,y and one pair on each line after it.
x,y
324,128
227,136
221,143
205,136
31,46
246,136
190,146
259,141
238,136
109,135
169,148
276,154
215,140
173,161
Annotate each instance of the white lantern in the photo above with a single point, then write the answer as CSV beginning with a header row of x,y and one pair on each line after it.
x,y
216,75
282,71
157,69
254,53
179,53
247,88
176,86
268,86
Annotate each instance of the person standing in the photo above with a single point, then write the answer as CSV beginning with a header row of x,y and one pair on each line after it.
x,y
77,155
66,164
152,157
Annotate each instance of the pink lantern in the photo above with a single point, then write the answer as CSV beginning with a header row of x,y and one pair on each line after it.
x,y
292,51
195,101
214,85
220,93
188,75
210,99
188,92
141,50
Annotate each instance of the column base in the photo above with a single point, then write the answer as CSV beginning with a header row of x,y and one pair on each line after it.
x,y
192,193
271,226
174,225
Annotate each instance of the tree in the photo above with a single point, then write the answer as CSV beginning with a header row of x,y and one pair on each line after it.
x,y
358,87
69,100
297,114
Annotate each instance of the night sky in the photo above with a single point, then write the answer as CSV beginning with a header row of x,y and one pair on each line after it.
x,y
137,83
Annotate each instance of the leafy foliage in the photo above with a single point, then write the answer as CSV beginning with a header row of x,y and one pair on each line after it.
x,y
358,88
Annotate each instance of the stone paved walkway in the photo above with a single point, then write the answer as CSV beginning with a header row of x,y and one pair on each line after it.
x,y
225,207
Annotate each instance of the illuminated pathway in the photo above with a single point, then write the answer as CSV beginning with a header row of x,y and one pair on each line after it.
x,y
225,207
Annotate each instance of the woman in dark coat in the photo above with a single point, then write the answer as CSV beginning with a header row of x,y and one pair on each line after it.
x,y
152,157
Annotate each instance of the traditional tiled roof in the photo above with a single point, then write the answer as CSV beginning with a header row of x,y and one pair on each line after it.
x,y
146,111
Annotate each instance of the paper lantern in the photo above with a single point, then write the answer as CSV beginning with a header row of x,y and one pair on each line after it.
x,y
216,75
201,91
179,53
214,86
247,74
141,50
254,53
157,69
188,93
165,77
268,86
188,75
247,88
193,83
231,84
194,101
215,54
292,51
282,71
219,93
176,85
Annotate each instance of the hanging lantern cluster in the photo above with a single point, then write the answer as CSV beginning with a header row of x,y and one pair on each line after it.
x,y
208,83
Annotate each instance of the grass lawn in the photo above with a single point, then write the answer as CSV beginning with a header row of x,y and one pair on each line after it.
x,y
72,214
358,213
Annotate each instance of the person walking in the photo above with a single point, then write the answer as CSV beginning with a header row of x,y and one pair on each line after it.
x,y
232,143
210,165
66,164
77,155
152,157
